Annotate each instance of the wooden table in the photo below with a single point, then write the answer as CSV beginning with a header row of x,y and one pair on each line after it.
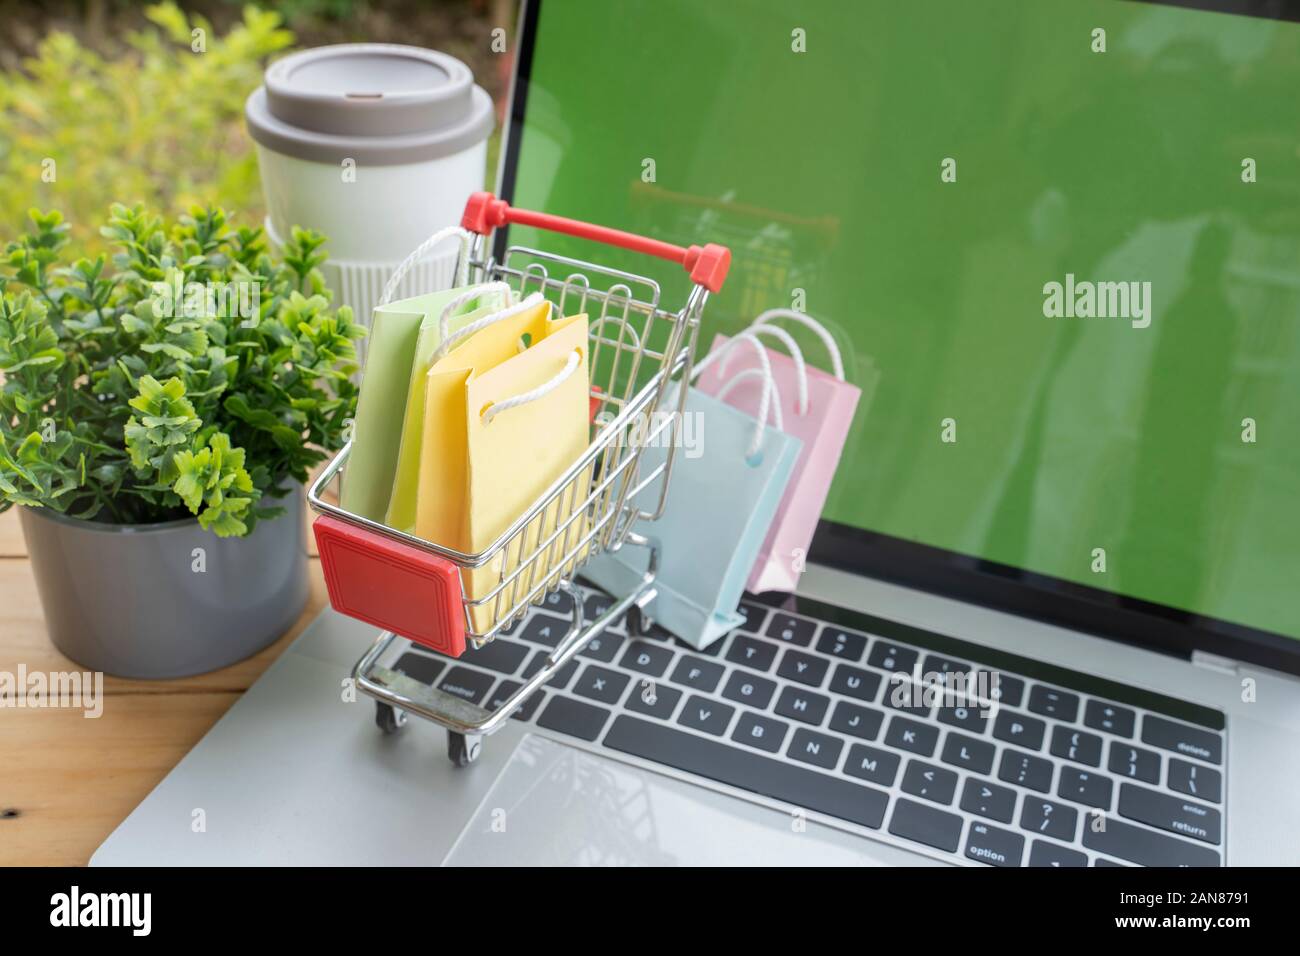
x,y
65,781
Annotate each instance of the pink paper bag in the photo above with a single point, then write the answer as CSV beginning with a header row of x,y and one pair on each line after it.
x,y
822,426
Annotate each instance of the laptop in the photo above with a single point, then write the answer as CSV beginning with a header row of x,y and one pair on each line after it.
x,y
1093,506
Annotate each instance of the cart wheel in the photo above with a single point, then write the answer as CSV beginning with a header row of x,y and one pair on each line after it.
x,y
462,750
637,625
389,719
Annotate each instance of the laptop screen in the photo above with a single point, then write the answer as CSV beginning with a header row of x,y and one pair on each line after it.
x,y
1058,242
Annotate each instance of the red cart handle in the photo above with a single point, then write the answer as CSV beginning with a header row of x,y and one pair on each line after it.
x,y
706,264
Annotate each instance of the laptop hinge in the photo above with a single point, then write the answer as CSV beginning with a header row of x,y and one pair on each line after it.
x,y
1213,662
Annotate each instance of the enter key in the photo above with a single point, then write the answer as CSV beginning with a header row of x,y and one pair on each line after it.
x,y
1170,813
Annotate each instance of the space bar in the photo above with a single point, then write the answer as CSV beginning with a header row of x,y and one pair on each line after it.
x,y
748,771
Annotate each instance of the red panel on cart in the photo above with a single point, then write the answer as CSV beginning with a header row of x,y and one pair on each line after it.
x,y
392,585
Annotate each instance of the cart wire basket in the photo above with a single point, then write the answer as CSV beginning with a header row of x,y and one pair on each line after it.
x,y
640,356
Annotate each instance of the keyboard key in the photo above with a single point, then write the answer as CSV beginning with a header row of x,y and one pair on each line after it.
x,y
646,658
596,604
801,705
906,696
792,630
816,749
856,720
420,667
743,768
560,680
749,690
525,710
710,716
603,647
1054,703
1111,718
1201,782
988,800
1101,861
1146,847
1044,853
653,700
759,731
1048,818
1134,762
1019,729
868,763
846,645
936,668
544,629
1005,689
910,735
1181,739
754,615
994,846
1169,813
1026,770
751,652
574,717
1076,745
697,673
968,753
915,821
803,668
967,718
656,632
1086,787
891,657
559,602
709,650
855,682
504,657
599,683
925,780
471,685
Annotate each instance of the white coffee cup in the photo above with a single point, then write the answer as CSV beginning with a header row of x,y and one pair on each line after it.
x,y
376,146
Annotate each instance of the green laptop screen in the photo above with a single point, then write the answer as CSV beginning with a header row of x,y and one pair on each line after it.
x,y
1059,243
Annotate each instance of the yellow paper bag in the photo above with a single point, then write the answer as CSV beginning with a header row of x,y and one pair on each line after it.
x,y
406,477
481,469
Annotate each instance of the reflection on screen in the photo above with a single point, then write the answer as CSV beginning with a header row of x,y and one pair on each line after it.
x,y
1075,267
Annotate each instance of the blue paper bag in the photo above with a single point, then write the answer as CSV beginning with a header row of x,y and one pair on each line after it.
x,y
721,502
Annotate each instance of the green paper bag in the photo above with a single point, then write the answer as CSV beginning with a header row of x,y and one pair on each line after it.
x,y
398,332
406,476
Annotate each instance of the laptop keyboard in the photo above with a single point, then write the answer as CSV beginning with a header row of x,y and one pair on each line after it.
x,y
837,721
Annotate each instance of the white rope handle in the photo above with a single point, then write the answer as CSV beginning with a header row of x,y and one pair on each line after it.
x,y
420,251
445,346
468,296
493,409
769,384
774,412
837,363
801,368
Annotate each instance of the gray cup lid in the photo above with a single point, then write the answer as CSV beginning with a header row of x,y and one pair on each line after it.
x,y
378,103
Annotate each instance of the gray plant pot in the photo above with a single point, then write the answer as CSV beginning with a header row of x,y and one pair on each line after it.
x,y
129,600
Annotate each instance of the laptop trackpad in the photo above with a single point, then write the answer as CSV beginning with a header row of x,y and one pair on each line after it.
x,y
556,805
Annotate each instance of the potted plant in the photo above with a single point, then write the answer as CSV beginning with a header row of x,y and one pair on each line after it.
x,y
158,417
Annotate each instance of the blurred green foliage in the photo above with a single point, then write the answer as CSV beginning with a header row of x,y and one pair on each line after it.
x,y
160,125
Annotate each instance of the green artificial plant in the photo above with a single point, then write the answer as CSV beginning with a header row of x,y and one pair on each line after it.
x,y
191,375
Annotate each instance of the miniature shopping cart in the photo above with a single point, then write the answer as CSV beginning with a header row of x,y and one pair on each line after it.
x,y
639,358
